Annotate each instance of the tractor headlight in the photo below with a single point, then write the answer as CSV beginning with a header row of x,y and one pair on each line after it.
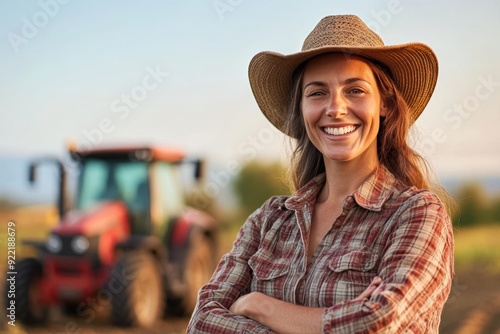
x,y
54,243
80,244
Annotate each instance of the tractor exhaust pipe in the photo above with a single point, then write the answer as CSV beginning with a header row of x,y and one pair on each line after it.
x,y
61,196
198,169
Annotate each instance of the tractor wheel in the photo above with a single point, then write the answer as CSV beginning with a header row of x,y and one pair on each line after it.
x,y
69,309
138,293
28,295
198,268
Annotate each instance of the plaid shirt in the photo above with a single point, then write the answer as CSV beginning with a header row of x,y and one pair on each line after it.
x,y
386,229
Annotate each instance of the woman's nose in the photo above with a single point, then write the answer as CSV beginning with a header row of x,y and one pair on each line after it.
x,y
336,106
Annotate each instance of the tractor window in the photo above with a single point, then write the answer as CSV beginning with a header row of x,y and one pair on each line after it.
x,y
125,181
169,189
92,183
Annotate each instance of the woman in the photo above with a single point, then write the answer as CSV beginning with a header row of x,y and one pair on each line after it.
x,y
363,245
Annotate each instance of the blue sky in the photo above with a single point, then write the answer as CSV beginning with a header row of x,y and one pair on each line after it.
x,y
67,67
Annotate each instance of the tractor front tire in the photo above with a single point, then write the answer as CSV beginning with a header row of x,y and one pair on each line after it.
x,y
138,292
28,295
198,268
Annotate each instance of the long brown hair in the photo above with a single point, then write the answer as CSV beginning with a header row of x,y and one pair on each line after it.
x,y
392,146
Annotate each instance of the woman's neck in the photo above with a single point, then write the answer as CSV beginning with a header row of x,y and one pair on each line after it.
x,y
344,177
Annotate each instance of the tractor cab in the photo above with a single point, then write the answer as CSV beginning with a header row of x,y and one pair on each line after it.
x,y
146,180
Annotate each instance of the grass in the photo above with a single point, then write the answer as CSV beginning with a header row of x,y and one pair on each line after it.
x,y
31,223
478,246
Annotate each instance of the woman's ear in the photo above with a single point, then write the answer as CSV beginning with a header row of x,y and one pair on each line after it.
x,y
383,110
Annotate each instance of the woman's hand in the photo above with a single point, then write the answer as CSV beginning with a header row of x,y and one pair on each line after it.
x,y
279,316
375,287
246,305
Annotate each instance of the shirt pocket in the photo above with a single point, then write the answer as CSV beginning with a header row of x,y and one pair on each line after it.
x,y
266,266
356,267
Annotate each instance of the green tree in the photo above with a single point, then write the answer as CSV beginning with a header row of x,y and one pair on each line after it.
x,y
473,206
256,182
495,209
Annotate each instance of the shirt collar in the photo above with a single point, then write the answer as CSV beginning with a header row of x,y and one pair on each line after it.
x,y
371,195
376,190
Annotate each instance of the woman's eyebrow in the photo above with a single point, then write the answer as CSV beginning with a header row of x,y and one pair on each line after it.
x,y
345,82
352,80
315,83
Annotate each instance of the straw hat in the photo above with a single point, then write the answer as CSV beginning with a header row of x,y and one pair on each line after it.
x,y
413,66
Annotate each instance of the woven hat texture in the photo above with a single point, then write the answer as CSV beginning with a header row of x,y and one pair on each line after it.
x,y
413,66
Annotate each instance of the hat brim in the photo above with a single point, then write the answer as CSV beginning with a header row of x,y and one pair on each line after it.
x,y
413,66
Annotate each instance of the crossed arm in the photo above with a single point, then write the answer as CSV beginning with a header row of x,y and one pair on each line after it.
x,y
299,319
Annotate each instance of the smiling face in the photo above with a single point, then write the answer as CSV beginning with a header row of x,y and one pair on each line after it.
x,y
341,107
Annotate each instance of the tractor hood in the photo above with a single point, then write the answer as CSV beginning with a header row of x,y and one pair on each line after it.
x,y
95,221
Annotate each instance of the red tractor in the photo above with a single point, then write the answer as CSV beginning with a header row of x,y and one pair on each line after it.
x,y
130,241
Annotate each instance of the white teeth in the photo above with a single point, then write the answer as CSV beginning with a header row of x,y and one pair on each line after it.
x,y
340,131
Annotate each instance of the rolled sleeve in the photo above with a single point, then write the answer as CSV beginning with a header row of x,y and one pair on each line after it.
x,y
230,280
416,268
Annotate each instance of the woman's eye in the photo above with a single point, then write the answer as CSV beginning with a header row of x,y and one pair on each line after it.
x,y
355,91
315,93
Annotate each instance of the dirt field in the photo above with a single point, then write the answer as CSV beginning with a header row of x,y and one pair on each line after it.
x,y
474,304
66,324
